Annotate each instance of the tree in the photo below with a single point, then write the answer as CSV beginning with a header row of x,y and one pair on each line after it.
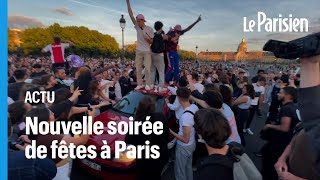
x,y
187,55
87,42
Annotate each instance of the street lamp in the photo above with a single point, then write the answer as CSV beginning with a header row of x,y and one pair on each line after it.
x,y
197,50
122,25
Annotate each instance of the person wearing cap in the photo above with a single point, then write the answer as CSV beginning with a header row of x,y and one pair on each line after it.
x,y
172,50
143,52
57,52
36,71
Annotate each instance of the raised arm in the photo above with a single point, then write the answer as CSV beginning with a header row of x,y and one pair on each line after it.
x,y
70,43
192,25
133,19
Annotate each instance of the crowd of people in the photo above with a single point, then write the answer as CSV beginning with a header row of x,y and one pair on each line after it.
x,y
215,104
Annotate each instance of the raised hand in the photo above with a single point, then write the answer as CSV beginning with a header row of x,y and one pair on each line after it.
x,y
199,18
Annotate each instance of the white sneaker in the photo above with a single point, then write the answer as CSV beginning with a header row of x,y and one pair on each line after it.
x,y
249,132
147,87
139,87
151,86
162,89
244,130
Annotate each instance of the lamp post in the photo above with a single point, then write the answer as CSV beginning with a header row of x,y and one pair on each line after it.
x,y
122,25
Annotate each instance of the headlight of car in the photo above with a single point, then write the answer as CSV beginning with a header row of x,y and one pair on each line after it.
x,y
123,157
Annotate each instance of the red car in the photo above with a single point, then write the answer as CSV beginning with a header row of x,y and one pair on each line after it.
x,y
123,168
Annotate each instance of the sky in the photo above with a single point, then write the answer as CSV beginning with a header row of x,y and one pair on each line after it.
x,y
221,28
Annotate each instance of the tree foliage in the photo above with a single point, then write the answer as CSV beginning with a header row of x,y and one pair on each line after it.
x,y
187,55
87,42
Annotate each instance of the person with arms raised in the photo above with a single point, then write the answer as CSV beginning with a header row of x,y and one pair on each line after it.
x,y
143,52
172,50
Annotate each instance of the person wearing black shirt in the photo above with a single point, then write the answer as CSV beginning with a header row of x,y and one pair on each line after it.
x,y
50,82
275,102
125,83
260,73
280,132
36,71
60,75
212,126
15,88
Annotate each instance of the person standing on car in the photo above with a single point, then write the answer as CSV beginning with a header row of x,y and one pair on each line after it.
x,y
186,137
172,50
143,52
158,48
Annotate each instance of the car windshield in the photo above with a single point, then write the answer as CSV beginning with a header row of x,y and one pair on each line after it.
x,y
129,103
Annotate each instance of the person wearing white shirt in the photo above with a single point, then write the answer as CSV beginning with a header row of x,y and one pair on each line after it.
x,y
256,103
197,85
143,52
186,136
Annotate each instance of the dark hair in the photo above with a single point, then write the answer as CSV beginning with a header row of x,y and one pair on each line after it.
x,y
291,91
210,87
260,71
36,82
83,80
158,25
223,79
93,87
55,70
262,79
285,78
245,79
24,89
147,105
19,74
36,66
46,78
250,91
57,39
213,98
61,95
195,76
183,82
42,113
213,127
16,111
61,107
226,94
183,93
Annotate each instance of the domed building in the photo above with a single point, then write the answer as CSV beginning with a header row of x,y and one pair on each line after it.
x,y
242,54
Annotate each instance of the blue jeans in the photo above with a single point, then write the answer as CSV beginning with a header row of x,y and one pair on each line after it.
x,y
21,168
174,62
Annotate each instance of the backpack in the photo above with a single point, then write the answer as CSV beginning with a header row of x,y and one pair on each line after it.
x,y
243,167
158,45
